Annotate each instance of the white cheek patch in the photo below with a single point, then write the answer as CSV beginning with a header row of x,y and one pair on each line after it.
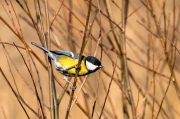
x,y
91,66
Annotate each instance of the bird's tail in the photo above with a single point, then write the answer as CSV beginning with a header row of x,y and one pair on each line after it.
x,y
51,55
41,47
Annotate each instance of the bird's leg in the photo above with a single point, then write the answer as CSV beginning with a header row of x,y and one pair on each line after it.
x,y
73,88
66,79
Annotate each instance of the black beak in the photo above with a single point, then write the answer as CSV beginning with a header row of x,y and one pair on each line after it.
x,y
101,66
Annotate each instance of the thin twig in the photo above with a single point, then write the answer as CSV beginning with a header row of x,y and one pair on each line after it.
x,y
86,35
14,92
165,52
125,76
108,89
36,92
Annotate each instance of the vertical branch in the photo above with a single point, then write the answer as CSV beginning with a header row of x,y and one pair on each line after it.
x,y
125,75
85,39
52,88
96,49
108,89
70,34
148,58
39,21
173,33
108,10
165,30
165,51
153,81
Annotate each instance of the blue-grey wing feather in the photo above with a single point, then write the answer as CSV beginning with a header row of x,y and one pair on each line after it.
x,y
67,53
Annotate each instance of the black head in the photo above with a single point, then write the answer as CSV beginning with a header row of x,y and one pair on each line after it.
x,y
92,63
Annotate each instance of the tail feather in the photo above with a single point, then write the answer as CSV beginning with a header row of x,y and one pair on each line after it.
x,y
51,55
41,47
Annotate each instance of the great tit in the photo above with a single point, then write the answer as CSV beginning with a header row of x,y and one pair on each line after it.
x,y
65,62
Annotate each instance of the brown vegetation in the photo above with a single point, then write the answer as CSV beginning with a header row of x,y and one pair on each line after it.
x,y
137,42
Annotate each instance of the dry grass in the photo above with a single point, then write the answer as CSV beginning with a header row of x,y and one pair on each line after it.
x,y
140,51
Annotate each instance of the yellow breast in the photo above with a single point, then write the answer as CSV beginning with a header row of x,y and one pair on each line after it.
x,y
67,62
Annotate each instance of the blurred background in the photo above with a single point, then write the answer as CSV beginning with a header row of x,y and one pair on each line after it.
x,y
151,47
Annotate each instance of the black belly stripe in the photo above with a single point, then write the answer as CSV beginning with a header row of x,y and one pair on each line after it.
x,y
65,72
58,69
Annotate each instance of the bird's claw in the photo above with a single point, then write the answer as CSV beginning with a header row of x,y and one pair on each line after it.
x,y
66,79
73,88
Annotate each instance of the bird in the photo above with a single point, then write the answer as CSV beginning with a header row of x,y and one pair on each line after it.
x,y
66,62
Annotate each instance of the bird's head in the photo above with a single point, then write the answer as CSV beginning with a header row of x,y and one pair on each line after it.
x,y
92,63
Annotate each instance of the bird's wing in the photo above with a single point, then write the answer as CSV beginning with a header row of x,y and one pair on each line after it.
x,y
66,53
